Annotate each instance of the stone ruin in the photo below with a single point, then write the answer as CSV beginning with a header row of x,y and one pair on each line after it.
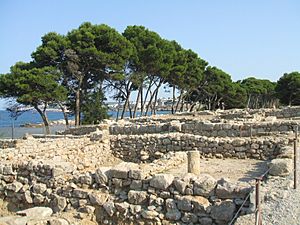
x,y
115,172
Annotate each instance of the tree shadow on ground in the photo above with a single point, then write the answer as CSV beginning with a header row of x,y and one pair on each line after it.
x,y
259,169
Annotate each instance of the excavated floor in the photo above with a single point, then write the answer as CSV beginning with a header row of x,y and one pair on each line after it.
x,y
245,170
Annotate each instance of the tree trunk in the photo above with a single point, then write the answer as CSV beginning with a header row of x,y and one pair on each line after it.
x,y
129,109
155,101
209,103
12,128
44,118
117,118
125,104
215,102
182,103
145,99
193,106
137,101
256,102
152,96
150,102
173,102
77,108
248,102
64,113
178,101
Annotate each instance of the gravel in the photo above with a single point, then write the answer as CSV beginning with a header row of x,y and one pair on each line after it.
x,y
281,202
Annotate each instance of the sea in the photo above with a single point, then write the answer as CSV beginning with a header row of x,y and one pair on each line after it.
x,y
33,117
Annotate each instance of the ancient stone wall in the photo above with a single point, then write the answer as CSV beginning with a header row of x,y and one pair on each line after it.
x,y
66,172
78,130
83,152
6,143
236,129
205,128
125,193
138,148
285,112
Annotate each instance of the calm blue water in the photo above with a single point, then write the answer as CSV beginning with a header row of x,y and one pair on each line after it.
x,y
33,117
27,117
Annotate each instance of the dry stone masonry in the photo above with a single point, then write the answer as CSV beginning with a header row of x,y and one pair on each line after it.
x,y
115,173
138,148
125,193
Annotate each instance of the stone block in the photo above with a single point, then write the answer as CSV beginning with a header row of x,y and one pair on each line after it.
x,y
15,186
27,197
200,204
8,170
149,214
85,179
223,211
171,204
122,170
110,208
137,197
38,199
136,174
136,185
280,167
173,215
185,204
226,190
180,185
204,185
58,221
58,203
207,221
101,175
161,181
238,142
189,218
36,212
122,207
87,209
80,193
39,188
98,198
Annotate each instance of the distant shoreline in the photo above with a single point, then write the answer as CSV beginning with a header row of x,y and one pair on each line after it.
x,y
31,118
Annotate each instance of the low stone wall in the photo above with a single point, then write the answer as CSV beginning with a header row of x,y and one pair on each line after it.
x,y
287,112
145,128
124,194
82,152
205,128
8,143
78,130
138,148
83,130
236,129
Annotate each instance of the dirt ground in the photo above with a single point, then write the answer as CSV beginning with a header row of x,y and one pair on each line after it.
x,y
234,169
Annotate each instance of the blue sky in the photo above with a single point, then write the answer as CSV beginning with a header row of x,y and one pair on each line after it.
x,y
243,38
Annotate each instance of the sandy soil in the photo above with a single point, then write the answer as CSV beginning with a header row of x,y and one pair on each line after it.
x,y
234,169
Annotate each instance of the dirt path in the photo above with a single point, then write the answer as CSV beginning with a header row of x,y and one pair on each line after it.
x,y
234,169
